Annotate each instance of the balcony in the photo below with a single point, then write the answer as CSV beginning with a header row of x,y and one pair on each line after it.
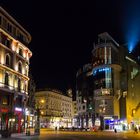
x,y
11,89
103,97
103,93
21,40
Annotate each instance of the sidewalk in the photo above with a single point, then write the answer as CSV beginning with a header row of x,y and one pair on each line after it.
x,y
22,136
16,136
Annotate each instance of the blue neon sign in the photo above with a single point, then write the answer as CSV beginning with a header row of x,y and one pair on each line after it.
x,y
100,70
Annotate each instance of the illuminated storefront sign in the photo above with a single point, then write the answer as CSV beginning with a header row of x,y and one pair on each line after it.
x,y
101,70
97,122
18,109
5,110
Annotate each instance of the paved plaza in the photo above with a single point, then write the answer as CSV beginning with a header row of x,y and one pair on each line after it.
x,y
70,135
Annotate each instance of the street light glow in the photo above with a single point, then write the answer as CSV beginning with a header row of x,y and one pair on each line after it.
x,y
42,101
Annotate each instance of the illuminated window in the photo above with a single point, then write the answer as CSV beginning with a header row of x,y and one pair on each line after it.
x,y
25,87
20,67
26,69
20,52
8,60
134,72
6,78
4,100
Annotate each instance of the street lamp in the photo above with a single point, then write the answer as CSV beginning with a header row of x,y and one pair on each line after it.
x,y
42,112
42,101
37,125
133,112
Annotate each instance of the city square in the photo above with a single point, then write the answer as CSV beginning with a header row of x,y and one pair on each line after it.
x,y
70,135
70,73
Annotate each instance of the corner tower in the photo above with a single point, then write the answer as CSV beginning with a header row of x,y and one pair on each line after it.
x,y
14,68
106,77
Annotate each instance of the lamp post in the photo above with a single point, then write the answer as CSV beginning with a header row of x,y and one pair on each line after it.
x,y
37,129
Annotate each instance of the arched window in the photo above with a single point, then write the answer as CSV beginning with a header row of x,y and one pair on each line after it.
x,y
6,78
26,69
20,52
7,60
20,67
25,87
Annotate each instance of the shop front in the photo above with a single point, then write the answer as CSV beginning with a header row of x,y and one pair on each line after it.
x,y
12,121
4,118
18,120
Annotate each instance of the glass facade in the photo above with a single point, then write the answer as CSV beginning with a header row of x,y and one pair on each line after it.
x,y
102,78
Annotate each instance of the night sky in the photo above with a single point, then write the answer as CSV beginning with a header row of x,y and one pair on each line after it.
x,y
63,35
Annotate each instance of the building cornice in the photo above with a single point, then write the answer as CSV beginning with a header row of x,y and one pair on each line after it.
x,y
15,22
13,71
21,44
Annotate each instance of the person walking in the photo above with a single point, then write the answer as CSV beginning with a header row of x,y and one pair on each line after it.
x,y
115,130
135,130
56,128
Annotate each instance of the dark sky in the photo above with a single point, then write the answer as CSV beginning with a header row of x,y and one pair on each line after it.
x,y
63,35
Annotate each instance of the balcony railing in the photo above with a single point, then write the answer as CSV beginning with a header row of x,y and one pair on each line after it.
x,y
103,97
12,88
103,93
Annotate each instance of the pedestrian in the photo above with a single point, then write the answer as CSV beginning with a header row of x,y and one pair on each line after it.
x,y
73,128
115,130
56,128
101,128
135,130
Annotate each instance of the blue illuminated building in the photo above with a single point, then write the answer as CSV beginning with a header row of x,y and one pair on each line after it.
x,y
107,91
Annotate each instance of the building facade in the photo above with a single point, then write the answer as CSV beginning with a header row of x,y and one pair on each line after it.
x,y
55,108
129,96
74,118
114,90
14,68
106,76
84,97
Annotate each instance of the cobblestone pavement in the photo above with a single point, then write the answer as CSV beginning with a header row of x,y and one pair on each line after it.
x,y
70,135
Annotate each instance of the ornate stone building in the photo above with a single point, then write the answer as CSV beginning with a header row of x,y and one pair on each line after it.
x,y
14,68
55,108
